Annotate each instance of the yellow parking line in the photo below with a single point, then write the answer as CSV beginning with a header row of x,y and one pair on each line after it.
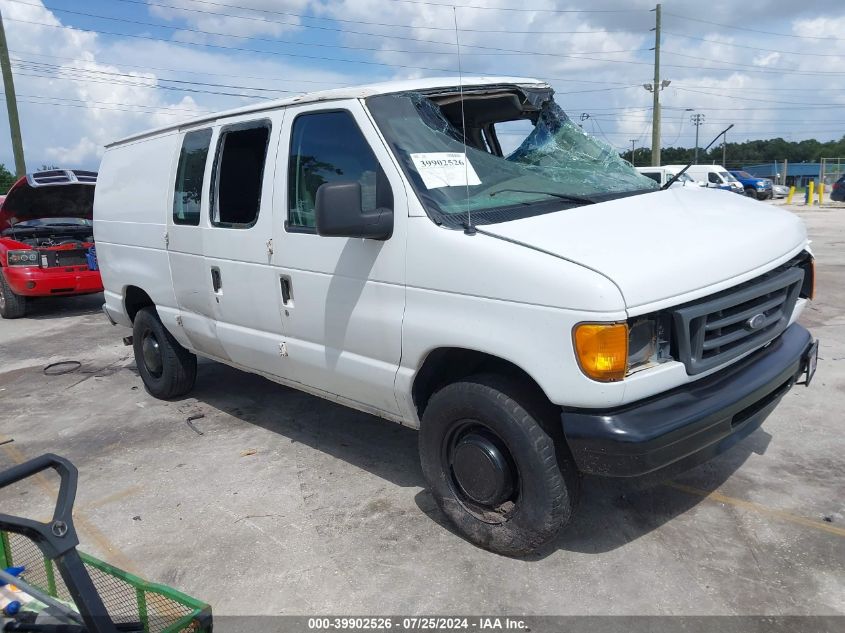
x,y
760,509
116,557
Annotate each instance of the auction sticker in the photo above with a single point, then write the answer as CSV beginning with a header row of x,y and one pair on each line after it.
x,y
445,169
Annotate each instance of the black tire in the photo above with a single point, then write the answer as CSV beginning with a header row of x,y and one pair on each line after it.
x,y
167,369
12,306
519,424
751,192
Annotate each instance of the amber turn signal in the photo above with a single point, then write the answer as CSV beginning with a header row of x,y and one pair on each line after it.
x,y
602,350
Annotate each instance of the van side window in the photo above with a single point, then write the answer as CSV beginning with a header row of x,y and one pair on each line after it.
x,y
239,174
187,195
329,147
654,175
714,178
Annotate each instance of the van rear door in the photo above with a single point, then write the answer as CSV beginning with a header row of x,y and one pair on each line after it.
x,y
186,223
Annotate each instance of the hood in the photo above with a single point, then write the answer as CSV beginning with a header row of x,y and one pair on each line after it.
x,y
666,244
46,195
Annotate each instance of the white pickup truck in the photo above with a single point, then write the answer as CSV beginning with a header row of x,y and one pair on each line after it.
x,y
537,314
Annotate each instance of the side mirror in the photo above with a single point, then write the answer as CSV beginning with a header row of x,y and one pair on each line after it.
x,y
339,213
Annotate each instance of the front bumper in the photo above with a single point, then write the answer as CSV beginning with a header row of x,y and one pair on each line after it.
x,y
48,282
690,424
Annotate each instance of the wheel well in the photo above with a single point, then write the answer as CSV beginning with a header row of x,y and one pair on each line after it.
x,y
446,365
135,300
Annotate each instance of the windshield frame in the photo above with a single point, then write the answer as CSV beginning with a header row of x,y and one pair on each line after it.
x,y
506,211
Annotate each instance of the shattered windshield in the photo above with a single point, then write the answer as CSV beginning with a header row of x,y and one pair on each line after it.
x,y
556,166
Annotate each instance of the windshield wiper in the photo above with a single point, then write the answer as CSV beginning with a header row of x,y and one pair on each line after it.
x,y
562,196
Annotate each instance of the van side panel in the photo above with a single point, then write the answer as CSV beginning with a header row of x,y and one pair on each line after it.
x,y
130,225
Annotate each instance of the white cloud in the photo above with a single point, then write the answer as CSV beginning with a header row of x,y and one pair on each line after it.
x,y
78,91
267,17
78,154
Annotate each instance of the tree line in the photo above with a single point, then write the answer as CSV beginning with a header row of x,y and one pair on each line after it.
x,y
748,152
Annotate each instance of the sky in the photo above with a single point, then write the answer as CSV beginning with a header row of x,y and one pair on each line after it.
x,y
88,72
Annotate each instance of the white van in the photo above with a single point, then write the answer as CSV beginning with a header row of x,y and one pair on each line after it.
x,y
712,176
538,316
663,175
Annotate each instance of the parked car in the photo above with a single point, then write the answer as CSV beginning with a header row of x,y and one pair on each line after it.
x,y
759,188
779,191
712,176
837,193
662,175
537,316
46,239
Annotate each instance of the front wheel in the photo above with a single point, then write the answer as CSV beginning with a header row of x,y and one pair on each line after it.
x,y
167,369
489,456
12,306
751,192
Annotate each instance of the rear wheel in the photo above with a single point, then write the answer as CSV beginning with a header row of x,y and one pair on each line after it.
x,y
492,463
12,306
167,369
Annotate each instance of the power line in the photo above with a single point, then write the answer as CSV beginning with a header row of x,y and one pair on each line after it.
x,y
76,78
299,55
367,22
371,49
43,66
522,9
496,50
739,66
133,105
140,85
742,28
175,70
101,105
798,103
305,26
753,48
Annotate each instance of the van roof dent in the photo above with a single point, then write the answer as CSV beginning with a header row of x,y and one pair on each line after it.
x,y
351,92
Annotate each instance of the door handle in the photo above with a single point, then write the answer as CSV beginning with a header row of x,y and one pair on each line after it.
x,y
286,286
216,281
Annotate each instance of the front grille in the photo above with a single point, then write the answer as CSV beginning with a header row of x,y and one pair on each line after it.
x,y
68,257
719,328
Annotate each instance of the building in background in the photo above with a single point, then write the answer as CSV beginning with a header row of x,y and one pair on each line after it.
x,y
798,174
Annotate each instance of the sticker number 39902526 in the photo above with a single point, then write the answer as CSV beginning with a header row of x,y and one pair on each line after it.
x,y
445,169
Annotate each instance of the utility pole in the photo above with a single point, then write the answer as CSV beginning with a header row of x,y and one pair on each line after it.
x,y
633,149
724,148
11,103
655,116
697,120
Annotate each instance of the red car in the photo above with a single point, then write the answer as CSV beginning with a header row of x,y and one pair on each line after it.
x,y
47,239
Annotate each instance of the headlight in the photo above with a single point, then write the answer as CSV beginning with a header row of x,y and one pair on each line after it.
x,y
761,185
648,341
22,258
608,352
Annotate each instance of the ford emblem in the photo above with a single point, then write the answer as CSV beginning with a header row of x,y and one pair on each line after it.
x,y
756,322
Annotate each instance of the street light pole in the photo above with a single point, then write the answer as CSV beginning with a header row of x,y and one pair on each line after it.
x,y
697,120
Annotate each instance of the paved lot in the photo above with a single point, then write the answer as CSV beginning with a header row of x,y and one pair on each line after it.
x,y
289,504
